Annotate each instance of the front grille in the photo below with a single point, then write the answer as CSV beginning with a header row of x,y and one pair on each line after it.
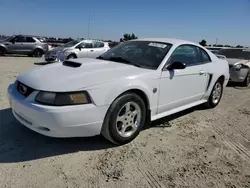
x,y
23,89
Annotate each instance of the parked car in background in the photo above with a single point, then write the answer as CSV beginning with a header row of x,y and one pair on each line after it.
x,y
77,49
122,90
239,64
24,45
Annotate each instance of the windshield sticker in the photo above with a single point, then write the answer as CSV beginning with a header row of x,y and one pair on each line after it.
x,y
158,45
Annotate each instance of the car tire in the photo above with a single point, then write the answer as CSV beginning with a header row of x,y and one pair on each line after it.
x,y
71,56
38,53
2,51
125,118
216,94
246,81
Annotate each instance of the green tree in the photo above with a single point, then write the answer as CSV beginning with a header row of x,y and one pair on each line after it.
x,y
203,43
128,36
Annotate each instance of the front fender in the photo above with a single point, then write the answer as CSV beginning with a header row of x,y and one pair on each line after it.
x,y
106,93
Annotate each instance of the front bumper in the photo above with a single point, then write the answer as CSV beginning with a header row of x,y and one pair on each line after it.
x,y
67,121
51,58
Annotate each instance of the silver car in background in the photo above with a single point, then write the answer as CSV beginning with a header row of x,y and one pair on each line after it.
x,y
239,64
25,45
77,49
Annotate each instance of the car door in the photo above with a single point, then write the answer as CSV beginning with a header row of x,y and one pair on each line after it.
x,y
17,45
12,47
97,50
82,49
29,45
184,86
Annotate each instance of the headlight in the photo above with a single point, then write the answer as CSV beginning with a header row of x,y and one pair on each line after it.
x,y
63,99
66,53
237,67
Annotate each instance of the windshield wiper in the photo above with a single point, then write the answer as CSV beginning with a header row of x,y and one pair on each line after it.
x,y
122,60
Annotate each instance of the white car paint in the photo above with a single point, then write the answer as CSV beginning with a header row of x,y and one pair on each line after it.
x,y
105,81
88,50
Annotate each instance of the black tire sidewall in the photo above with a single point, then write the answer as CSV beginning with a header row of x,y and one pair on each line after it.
x,y
71,56
115,109
247,80
37,51
2,51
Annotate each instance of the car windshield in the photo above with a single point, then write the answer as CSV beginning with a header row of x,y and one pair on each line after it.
x,y
9,38
71,44
235,53
145,54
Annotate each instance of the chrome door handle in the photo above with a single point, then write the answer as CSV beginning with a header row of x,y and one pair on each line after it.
x,y
202,72
91,50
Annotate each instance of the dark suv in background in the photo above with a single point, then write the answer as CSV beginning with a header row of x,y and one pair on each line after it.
x,y
25,45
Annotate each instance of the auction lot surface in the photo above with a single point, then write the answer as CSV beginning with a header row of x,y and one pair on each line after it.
x,y
196,148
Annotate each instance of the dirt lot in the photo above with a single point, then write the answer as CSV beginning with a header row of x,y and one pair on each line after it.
x,y
196,148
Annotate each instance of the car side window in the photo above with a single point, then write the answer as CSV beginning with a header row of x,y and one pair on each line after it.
x,y
204,56
30,39
20,39
188,54
86,45
98,45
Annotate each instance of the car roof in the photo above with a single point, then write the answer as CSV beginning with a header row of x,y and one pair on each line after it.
x,y
29,36
167,40
90,40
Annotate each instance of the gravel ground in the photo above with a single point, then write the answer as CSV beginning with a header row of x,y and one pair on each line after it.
x,y
195,148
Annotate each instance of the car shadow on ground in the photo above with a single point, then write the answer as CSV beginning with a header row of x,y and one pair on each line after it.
x,y
19,144
165,121
42,63
236,85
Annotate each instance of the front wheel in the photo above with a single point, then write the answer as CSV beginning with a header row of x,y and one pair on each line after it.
x,y
215,95
124,119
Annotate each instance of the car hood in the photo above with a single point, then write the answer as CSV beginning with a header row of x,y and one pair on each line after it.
x,y
4,42
58,50
61,77
232,61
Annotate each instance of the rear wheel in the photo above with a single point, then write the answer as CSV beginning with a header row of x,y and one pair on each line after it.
x,y
124,119
37,53
246,81
2,51
215,95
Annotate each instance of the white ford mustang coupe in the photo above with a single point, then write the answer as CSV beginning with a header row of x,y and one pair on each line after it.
x,y
115,95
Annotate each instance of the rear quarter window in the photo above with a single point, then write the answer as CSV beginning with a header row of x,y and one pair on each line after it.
x,y
204,56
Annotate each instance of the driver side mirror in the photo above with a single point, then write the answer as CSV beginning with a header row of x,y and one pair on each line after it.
x,y
176,65
79,47
13,41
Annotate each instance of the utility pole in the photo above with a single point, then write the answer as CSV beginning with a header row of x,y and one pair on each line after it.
x,y
88,25
216,41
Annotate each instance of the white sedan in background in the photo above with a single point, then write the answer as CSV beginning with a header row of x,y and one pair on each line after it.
x,y
118,93
77,49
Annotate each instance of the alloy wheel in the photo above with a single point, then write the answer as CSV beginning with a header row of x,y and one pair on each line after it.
x,y
216,94
128,119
